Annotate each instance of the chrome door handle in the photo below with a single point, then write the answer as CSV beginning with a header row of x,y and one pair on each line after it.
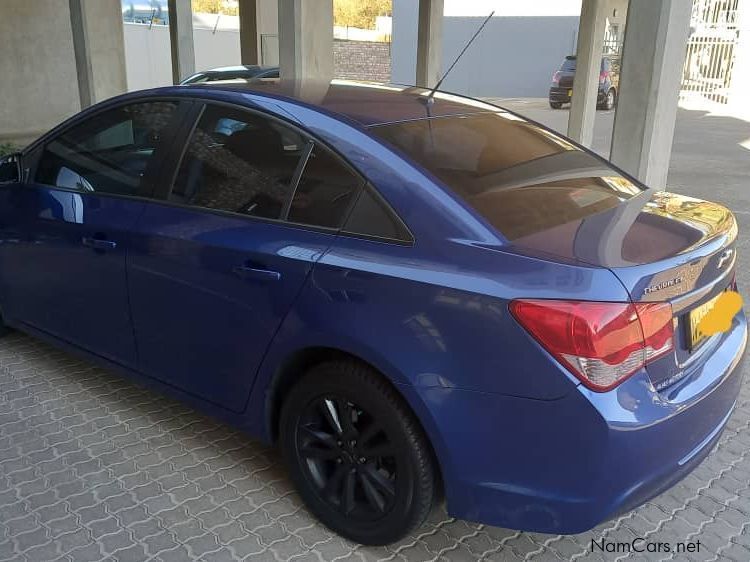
x,y
98,243
254,273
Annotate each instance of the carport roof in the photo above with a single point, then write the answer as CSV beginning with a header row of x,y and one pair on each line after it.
x,y
369,103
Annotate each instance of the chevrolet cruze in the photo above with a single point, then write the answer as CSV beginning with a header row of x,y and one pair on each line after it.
x,y
417,295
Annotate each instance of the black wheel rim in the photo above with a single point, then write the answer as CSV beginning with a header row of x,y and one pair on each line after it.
x,y
348,457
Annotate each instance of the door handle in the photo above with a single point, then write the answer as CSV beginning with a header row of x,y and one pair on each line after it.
x,y
254,273
98,243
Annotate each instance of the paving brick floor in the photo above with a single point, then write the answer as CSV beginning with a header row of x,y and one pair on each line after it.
x,y
93,467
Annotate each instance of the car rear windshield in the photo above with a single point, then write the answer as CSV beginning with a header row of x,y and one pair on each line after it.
x,y
569,65
520,177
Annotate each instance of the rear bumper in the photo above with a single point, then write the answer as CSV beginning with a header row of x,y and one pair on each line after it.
x,y
566,465
562,95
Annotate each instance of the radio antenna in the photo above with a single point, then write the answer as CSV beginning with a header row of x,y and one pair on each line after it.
x,y
429,99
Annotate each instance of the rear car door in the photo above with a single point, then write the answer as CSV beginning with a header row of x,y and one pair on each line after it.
x,y
65,232
214,269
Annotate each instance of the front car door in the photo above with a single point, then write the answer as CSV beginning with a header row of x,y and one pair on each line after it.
x,y
65,232
214,269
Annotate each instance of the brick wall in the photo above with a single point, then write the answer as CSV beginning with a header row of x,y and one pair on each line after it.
x,y
362,60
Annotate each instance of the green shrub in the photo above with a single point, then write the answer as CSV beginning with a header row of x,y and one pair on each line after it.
x,y
7,148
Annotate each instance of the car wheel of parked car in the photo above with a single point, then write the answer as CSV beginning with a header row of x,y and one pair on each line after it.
x,y
555,104
358,457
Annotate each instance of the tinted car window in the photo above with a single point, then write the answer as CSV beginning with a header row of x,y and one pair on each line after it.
x,y
325,191
569,65
372,217
109,152
520,177
9,169
240,162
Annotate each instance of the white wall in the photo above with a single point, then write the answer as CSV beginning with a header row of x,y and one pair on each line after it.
x,y
148,58
514,56
506,8
217,43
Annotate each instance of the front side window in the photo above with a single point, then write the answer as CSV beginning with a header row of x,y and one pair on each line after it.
x,y
108,153
239,162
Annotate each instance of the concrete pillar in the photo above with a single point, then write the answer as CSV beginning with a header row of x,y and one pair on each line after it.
x,y
98,49
82,53
429,43
739,88
588,66
306,39
181,39
653,56
249,37
38,62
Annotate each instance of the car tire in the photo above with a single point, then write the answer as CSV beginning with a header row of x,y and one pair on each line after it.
x,y
555,104
356,453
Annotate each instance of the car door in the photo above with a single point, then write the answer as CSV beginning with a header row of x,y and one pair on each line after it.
x,y
65,232
214,270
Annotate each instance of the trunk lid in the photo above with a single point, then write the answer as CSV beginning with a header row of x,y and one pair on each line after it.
x,y
566,79
662,247
546,196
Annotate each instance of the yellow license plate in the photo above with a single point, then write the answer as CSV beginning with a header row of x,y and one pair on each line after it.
x,y
570,93
695,336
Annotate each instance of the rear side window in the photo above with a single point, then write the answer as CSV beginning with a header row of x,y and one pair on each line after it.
x,y
325,191
521,178
372,217
239,162
109,152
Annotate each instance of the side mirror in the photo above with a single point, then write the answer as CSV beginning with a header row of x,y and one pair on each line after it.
x,y
10,168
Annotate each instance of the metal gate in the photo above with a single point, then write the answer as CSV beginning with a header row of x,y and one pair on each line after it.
x,y
710,51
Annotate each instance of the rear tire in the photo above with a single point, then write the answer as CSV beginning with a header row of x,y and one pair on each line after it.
x,y
555,104
356,454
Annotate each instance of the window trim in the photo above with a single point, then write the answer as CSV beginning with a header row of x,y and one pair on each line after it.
x,y
297,177
175,162
148,190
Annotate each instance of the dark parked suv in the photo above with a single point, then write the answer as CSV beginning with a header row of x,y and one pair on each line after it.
x,y
561,90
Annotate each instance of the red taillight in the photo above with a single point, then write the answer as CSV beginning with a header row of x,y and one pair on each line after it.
x,y
556,77
603,76
601,343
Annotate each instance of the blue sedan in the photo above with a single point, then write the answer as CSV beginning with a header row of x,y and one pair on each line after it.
x,y
418,296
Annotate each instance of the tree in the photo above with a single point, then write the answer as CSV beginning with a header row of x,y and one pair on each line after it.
x,y
359,13
214,7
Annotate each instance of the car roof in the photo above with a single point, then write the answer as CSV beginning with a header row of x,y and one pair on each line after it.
x,y
368,103
241,68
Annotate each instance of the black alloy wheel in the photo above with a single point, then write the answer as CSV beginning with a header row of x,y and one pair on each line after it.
x,y
349,458
358,457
